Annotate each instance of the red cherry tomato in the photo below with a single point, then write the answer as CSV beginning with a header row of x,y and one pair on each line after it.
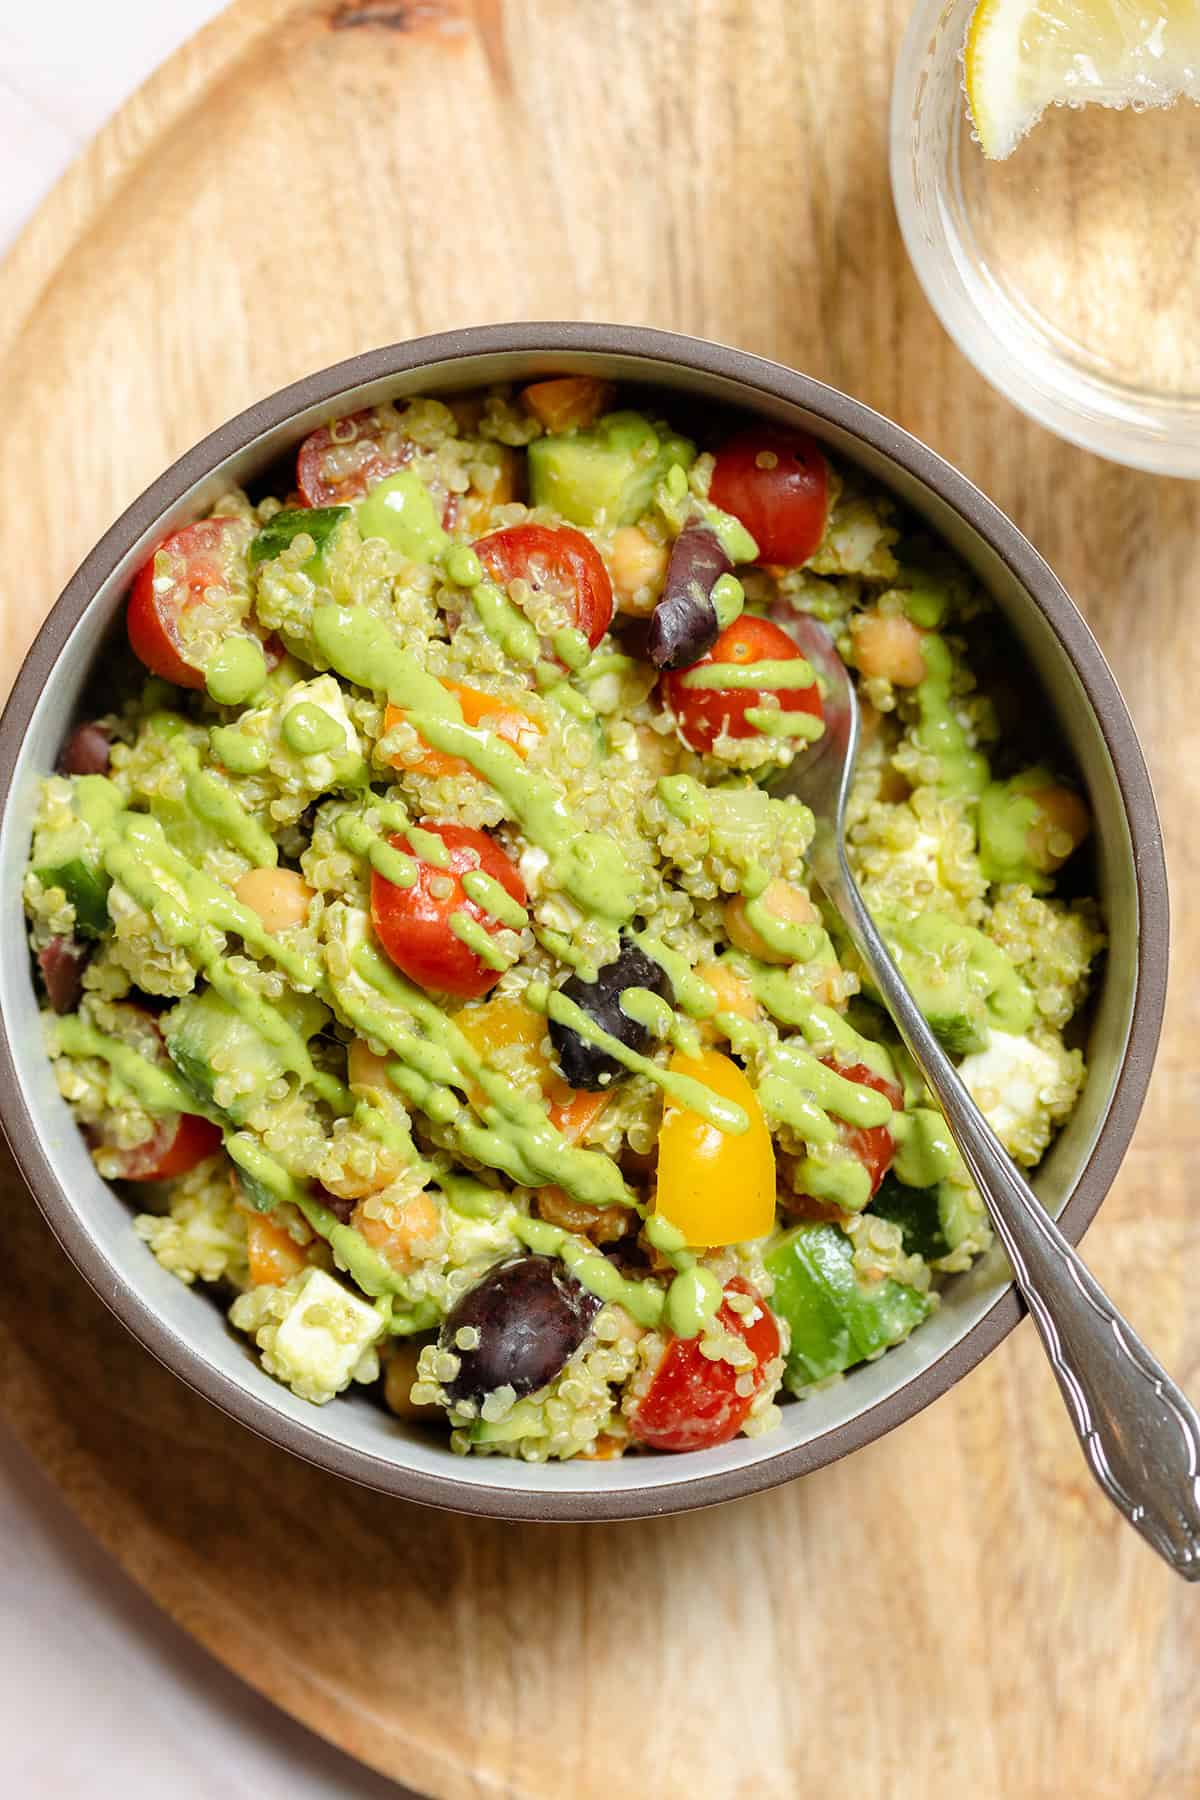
x,y
703,713
181,1141
341,461
777,483
413,924
692,1403
557,559
184,568
873,1145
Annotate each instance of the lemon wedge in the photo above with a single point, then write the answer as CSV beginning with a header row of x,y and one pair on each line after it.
x,y
1025,55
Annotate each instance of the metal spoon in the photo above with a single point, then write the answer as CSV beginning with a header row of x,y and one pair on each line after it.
x,y
1139,1434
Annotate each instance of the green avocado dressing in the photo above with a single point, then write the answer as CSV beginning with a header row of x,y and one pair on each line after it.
x,y
154,1086
236,671
1008,812
374,1275
516,1136
725,1114
479,940
140,859
799,943
729,532
212,799
462,566
494,899
940,956
963,770
309,730
925,1151
644,1301
590,867
824,1030
238,751
693,1301
772,721
802,1092
771,673
728,599
355,835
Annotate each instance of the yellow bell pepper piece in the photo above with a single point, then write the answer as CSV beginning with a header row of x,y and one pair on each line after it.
x,y
499,1025
715,1187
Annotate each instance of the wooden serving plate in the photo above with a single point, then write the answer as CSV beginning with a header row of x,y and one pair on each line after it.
x,y
952,1611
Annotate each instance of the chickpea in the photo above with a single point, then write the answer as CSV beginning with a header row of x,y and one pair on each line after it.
x,y
280,897
826,986
398,1377
639,567
273,1254
396,1228
603,1224
349,1183
365,1070
733,996
1062,823
568,402
658,754
888,647
789,903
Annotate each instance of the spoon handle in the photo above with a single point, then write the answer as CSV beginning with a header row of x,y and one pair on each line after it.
x,y
1140,1435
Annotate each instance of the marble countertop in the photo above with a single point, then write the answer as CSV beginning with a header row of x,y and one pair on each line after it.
x,y
70,1622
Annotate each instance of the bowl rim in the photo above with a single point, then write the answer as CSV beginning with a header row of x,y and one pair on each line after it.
x,y
759,378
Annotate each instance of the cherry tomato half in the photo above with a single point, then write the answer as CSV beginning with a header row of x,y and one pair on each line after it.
x,y
555,559
180,1142
692,1403
413,924
341,461
198,560
872,1145
702,713
777,483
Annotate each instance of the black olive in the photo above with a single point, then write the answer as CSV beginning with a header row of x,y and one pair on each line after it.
x,y
530,1317
86,751
684,624
585,1065
62,963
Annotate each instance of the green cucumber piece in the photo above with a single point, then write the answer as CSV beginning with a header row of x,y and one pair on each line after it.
x,y
918,1214
836,1321
85,886
69,856
319,522
204,1022
524,1420
256,1193
608,473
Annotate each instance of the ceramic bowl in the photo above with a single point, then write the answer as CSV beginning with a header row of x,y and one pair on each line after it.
x,y
354,1436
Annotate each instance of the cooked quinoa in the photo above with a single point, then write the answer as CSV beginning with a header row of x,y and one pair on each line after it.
x,y
429,954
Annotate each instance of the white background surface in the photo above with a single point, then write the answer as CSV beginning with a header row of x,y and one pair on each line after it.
x,y
99,1693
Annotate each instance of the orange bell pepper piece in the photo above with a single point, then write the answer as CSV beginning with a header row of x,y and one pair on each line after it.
x,y
715,1187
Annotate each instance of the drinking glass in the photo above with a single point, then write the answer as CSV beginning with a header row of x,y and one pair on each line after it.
x,y
1069,274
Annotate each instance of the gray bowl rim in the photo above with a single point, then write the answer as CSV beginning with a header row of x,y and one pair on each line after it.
x,y
757,377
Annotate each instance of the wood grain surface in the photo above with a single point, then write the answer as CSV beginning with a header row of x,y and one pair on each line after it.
x,y
954,1611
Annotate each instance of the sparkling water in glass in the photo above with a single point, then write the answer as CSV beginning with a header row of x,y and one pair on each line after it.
x,y
1069,273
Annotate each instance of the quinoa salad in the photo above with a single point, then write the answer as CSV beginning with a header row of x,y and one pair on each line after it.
x,y
428,959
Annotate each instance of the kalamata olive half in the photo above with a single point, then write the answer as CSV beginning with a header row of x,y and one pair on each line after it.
x,y
86,751
684,624
62,963
586,1065
529,1316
